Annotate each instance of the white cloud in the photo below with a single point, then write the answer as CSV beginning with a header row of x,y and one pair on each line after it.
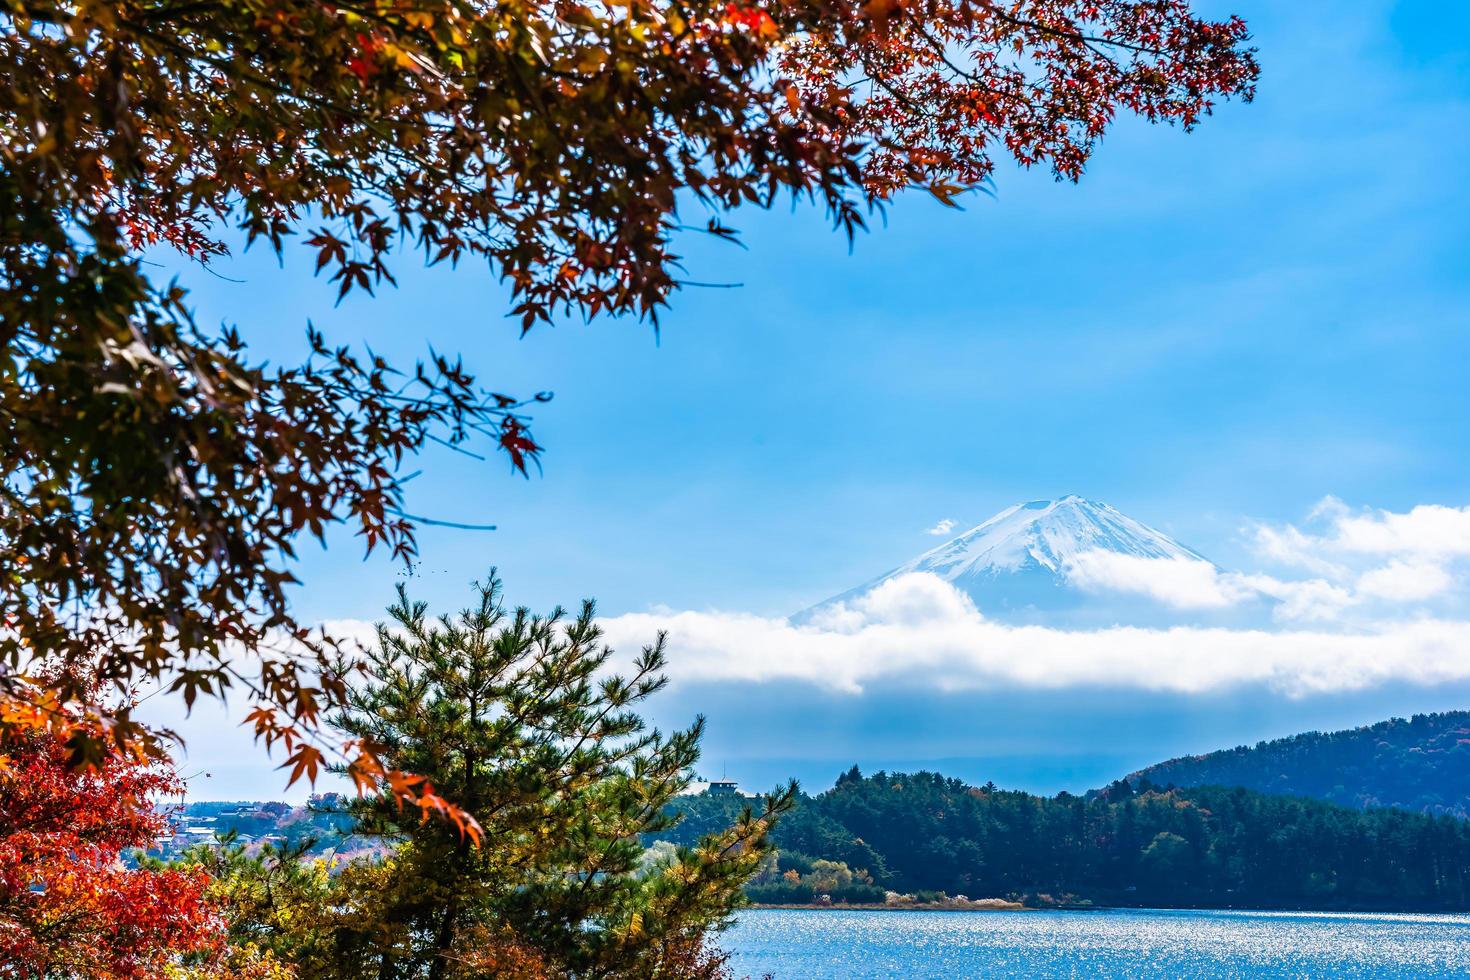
x,y
1406,581
1184,583
1313,600
1188,583
942,528
1290,546
1427,530
918,631
1348,548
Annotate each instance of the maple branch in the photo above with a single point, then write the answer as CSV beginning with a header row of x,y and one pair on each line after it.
x,y
438,523
1014,21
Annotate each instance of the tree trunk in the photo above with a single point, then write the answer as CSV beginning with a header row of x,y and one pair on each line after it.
x,y
442,940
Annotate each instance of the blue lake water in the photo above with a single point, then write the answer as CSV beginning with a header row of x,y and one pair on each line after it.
x,y
838,945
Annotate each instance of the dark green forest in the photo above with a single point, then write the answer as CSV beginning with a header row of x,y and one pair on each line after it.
x,y
1420,764
1132,844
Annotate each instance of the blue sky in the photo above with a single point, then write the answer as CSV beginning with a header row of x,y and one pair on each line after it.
x,y
1212,330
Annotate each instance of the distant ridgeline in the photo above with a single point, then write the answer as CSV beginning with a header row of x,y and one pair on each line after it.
x,y
1422,764
1246,828
1129,845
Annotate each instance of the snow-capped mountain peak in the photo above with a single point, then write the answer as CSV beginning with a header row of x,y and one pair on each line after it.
x,y
1044,533
1018,561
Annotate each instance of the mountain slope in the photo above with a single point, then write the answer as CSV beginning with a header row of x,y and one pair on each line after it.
x,y
1421,764
1017,562
1044,534
1185,848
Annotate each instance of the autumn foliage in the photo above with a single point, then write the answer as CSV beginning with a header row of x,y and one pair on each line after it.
x,y
155,479
68,905
938,88
524,722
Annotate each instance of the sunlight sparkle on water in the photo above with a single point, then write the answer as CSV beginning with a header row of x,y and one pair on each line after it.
x,y
827,945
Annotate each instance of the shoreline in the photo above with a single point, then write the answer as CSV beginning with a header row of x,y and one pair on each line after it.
x,y
1002,906
997,905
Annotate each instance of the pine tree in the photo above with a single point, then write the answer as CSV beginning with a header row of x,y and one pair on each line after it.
x,y
520,721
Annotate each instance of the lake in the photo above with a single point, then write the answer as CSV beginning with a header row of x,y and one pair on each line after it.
x,y
827,945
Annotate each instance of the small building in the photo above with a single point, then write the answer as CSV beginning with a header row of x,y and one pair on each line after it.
x,y
722,787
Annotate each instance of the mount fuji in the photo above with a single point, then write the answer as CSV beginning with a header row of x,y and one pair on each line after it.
x,y
1018,566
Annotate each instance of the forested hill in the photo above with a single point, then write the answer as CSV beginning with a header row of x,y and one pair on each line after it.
x,y
1422,764
1202,847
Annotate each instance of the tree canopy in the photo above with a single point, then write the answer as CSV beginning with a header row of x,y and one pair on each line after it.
x,y
1419,763
156,478
68,908
515,718
1149,846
